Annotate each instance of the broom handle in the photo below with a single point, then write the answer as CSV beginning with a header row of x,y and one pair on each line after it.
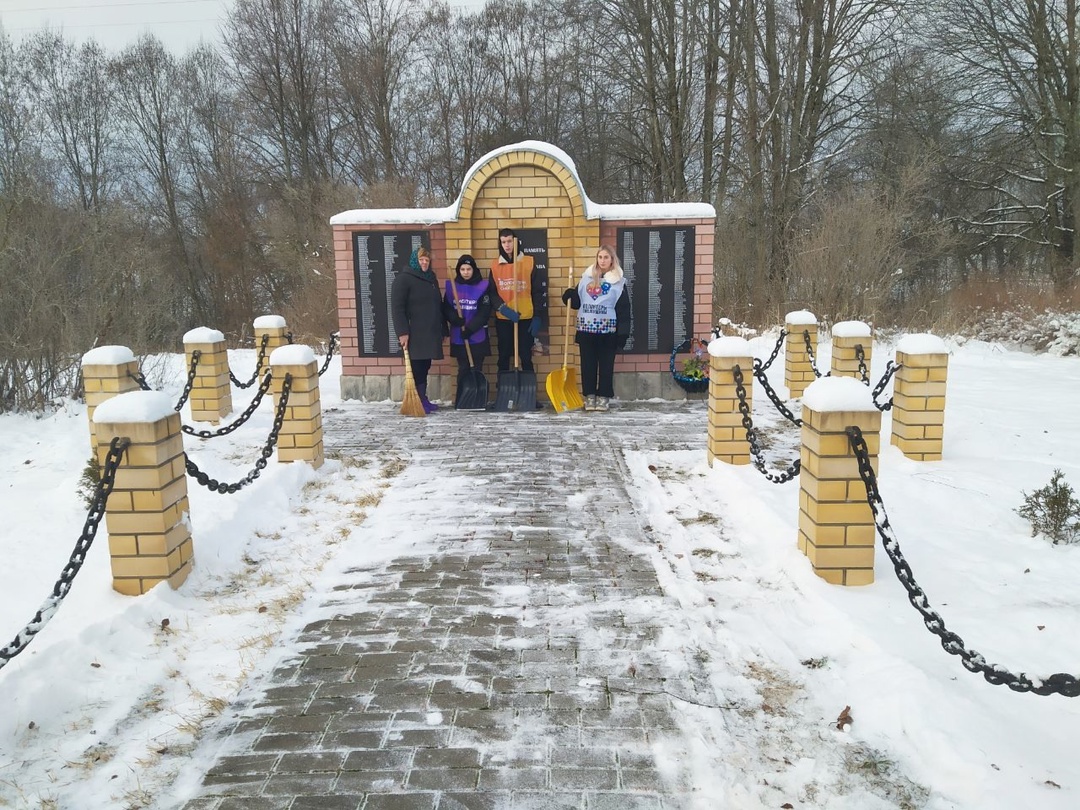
x,y
457,306
566,329
517,352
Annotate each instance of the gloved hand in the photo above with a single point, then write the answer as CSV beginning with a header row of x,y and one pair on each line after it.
x,y
511,315
535,326
467,333
568,295
454,319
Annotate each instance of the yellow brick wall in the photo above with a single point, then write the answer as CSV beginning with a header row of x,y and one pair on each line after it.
x,y
845,362
146,514
301,434
211,391
918,413
836,525
727,434
798,373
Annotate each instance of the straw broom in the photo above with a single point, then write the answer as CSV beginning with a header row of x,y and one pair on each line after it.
x,y
410,398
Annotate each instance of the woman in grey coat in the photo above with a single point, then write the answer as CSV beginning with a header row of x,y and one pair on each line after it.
x,y
416,303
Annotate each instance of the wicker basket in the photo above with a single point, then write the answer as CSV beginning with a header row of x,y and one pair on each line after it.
x,y
691,385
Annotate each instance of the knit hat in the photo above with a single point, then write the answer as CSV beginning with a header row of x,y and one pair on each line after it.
x,y
466,258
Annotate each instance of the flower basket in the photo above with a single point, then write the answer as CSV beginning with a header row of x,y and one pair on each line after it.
x,y
691,374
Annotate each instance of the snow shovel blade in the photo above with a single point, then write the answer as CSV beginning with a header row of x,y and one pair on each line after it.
x,y
527,391
472,391
508,390
562,390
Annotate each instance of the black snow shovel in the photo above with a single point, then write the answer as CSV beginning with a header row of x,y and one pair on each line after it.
x,y
517,389
472,386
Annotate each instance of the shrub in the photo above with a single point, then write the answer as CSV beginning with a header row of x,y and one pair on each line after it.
x,y
89,480
1053,510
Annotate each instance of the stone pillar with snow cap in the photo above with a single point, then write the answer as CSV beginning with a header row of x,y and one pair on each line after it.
x,y
847,336
836,525
301,436
211,392
727,435
106,371
147,512
274,328
798,370
918,412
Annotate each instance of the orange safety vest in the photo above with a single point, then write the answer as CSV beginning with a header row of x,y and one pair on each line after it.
x,y
503,275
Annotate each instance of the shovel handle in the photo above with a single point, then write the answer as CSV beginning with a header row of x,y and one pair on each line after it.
x,y
566,328
517,350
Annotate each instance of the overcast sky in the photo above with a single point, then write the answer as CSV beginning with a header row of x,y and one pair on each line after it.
x,y
180,24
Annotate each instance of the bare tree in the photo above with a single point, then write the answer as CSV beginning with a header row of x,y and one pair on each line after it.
x,y
279,49
73,91
375,54
1020,64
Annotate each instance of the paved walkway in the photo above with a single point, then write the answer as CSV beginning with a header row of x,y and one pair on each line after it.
x,y
518,666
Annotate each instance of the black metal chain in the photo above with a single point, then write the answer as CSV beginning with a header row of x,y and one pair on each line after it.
x,y
258,364
334,338
776,351
810,354
751,436
860,355
195,356
1058,684
260,464
890,369
60,590
233,425
140,380
759,372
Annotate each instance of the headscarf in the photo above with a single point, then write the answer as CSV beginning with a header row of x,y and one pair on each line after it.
x,y
414,265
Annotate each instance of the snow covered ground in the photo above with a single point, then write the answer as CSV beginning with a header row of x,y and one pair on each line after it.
x,y
107,705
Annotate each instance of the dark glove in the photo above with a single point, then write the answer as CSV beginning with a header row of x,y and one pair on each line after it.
x,y
511,315
454,319
535,326
568,295
467,332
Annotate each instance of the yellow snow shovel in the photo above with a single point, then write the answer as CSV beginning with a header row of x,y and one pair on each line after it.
x,y
562,384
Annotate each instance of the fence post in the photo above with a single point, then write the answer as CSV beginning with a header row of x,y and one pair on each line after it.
x,y
301,436
846,337
727,436
106,372
147,512
836,526
273,326
798,372
211,392
918,412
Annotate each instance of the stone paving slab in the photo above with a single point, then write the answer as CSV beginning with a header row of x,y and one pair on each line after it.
x,y
516,668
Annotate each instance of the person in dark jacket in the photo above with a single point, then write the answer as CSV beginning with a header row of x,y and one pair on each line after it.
x,y
475,298
603,325
418,319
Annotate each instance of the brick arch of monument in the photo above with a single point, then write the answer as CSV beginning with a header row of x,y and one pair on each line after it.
x,y
535,192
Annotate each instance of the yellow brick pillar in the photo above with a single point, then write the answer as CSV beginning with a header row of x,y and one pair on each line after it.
x,y
106,372
798,372
727,436
918,413
147,512
836,526
301,436
847,336
275,330
211,392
